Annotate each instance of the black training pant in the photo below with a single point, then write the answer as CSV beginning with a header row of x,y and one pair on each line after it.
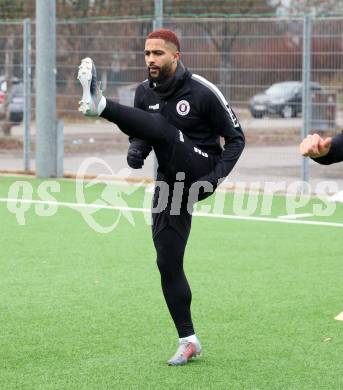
x,y
175,153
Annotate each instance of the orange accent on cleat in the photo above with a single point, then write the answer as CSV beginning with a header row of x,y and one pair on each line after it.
x,y
190,351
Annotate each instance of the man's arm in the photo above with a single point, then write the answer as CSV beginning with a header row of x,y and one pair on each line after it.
x,y
224,121
139,149
323,151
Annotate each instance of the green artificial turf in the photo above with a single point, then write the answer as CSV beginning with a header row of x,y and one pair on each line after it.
x,y
84,310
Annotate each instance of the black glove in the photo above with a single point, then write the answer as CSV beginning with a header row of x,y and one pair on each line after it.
x,y
137,153
135,158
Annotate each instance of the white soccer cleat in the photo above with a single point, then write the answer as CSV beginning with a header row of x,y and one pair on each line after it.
x,y
92,102
186,351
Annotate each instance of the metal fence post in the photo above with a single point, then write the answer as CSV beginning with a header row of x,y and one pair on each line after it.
x,y
306,97
158,18
157,24
27,93
46,155
60,148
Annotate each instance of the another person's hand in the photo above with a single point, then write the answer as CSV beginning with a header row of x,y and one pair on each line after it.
x,y
135,158
314,146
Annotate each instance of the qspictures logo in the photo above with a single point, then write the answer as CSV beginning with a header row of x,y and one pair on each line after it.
x,y
248,201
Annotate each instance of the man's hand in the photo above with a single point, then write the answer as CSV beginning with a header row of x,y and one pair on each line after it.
x,y
135,158
314,146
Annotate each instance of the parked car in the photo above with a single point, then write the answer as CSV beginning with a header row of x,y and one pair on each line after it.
x,y
15,107
282,99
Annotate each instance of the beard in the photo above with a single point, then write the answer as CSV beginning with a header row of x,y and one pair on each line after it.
x,y
164,73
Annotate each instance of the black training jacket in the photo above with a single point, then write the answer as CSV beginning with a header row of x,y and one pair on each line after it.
x,y
196,107
335,153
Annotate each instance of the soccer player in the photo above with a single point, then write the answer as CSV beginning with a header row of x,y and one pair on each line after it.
x,y
324,151
181,116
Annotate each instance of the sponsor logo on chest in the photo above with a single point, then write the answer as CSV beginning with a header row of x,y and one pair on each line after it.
x,y
183,107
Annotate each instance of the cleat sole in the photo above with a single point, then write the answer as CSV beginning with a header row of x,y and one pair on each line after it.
x,y
85,78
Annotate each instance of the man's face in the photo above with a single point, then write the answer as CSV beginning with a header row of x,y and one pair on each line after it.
x,y
161,58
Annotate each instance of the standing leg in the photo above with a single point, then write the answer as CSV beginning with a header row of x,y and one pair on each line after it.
x,y
170,235
170,248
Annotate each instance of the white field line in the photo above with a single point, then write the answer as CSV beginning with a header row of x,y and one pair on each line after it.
x,y
295,216
339,317
338,197
196,214
74,205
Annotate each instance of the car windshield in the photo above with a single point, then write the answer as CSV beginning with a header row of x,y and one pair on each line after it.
x,y
281,89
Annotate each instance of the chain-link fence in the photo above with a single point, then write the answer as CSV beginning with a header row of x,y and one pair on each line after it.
x,y
11,75
257,63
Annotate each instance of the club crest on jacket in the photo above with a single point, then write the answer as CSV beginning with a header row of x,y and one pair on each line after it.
x,y
183,107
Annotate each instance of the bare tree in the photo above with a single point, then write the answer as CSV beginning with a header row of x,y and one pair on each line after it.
x,y
314,7
224,36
